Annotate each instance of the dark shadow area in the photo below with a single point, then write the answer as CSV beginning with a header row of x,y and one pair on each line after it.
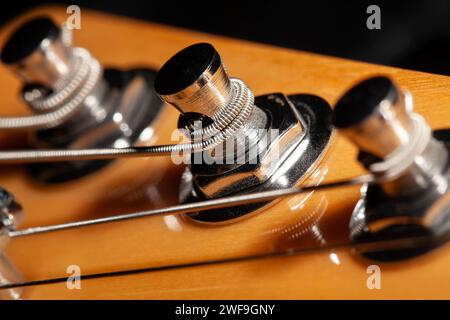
x,y
414,34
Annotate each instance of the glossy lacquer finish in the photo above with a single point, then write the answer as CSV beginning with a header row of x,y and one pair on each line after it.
x,y
315,223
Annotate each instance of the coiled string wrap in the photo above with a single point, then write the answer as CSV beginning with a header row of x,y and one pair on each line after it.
x,y
66,100
226,122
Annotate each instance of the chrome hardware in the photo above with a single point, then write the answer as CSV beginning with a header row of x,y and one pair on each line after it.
x,y
11,215
76,104
38,54
241,151
397,146
203,88
301,123
214,107
375,116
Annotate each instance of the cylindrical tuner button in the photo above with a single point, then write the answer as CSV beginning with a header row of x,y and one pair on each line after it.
x,y
374,115
36,52
195,80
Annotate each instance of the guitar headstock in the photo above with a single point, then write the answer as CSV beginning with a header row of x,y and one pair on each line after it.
x,y
175,163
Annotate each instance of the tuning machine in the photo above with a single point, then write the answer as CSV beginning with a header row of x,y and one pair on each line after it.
x,y
398,147
247,144
75,103
11,215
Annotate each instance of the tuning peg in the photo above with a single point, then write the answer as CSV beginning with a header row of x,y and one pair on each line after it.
x,y
375,115
397,146
195,81
11,215
75,101
247,144
37,53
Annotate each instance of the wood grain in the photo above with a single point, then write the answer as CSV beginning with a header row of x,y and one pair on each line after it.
x,y
139,184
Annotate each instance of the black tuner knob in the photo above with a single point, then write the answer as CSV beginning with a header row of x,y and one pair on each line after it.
x,y
194,80
413,197
35,50
374,115
28,38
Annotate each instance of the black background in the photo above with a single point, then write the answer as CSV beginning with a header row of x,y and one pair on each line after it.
x,y
414,34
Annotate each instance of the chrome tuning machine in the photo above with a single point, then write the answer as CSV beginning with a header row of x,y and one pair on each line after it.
x,y
11,215
75,103
398,147
246,144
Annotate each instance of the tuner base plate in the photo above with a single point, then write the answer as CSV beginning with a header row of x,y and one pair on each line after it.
x,y
306,155
375,204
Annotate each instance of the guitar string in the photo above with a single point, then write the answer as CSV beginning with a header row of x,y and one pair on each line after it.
x,y
51,155
200,206
225,202
384,245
